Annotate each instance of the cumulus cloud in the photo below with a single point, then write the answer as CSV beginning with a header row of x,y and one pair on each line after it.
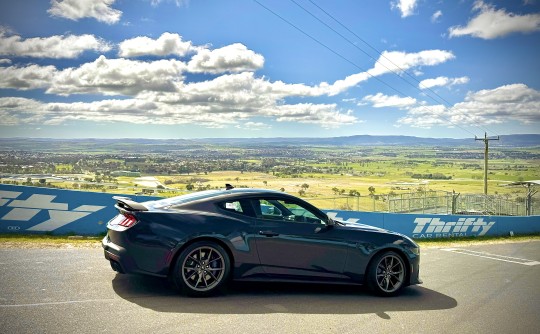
x,y
28,77
118,77
406,7
158,93
136,111
442,82
77,9
491,23
166,44
60,46
231,58
515,102
380,100
4,61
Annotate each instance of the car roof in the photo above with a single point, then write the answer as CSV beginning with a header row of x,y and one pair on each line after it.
x,y
208,194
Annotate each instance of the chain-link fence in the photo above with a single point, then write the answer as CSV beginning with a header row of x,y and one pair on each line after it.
x,y
436,202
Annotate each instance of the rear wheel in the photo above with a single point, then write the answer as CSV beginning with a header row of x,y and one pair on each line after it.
x,y
386,274
201,269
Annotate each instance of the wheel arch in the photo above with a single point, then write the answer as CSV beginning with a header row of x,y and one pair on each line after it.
x,y
401,253
179,251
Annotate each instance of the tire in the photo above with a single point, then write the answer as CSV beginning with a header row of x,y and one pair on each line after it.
x,y
386,274
202,269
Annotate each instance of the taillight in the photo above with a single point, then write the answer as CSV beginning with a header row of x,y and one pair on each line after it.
x,y
128,221
125,220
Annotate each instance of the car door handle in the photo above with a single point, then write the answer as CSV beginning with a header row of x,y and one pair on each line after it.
x,y
269,233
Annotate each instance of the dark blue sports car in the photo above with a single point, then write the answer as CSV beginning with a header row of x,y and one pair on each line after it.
x,y
203,239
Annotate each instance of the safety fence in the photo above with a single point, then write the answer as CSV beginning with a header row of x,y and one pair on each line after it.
x,y
437,202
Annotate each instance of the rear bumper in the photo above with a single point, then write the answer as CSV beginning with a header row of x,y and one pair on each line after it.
x,y
120,261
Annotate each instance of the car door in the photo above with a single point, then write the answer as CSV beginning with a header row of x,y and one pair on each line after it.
x,y
293,242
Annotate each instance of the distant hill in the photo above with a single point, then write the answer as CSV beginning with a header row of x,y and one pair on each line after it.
x,y
165,145
366,140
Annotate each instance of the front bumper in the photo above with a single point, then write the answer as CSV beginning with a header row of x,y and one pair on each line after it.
x,y
415,272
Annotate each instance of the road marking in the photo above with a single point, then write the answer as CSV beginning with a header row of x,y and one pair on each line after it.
x,y
58,303
493,256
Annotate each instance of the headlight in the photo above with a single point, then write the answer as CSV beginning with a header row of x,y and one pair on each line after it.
x,y
412,246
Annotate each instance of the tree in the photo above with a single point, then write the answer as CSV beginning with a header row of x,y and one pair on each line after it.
x,y
354,193
371,190
305,186
189,187
301,192
265,183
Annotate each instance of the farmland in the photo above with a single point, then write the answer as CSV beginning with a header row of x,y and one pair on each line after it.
x,y
316,170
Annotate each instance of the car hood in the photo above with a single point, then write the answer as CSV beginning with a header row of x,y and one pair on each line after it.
x,y
364,227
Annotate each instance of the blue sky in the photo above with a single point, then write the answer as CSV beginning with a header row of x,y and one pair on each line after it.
x,y
261,68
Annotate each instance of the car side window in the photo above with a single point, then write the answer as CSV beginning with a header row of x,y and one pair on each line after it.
x,y
280,210
233,206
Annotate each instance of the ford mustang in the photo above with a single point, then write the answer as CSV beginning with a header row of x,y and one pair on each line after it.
x,y
204,239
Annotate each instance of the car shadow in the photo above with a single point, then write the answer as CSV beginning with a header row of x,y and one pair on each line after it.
x,y
260,298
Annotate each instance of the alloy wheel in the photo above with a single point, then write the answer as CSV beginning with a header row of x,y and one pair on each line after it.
x,y
203,268
390,273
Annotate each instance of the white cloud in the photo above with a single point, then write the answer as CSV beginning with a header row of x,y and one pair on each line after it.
x,y
491,23
158,93
179,3
326,115
166,44
24,78
253,126
118,77
390,61
442,82
406,7
5,61
77,9
516,102
231,58
380,100
436,16
70,46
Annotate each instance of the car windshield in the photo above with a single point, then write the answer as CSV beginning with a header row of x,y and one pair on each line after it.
x,y
164,203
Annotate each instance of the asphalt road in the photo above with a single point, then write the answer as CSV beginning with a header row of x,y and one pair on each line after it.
x,y
475,289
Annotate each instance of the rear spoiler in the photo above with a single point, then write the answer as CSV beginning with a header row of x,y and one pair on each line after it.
x,y
128,204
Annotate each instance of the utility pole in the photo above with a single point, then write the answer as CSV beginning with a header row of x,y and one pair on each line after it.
x,y
486,152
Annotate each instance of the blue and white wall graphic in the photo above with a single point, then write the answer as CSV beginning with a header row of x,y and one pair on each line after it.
x,y
34,210
39,210
421,226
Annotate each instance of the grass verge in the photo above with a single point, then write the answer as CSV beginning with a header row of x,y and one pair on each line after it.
x,y
48,241
469,241
62,241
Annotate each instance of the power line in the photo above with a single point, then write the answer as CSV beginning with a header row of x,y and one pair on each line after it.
x,y
380,54
354,64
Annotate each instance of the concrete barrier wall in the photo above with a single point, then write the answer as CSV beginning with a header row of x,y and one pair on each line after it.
x,y
45,210
40,210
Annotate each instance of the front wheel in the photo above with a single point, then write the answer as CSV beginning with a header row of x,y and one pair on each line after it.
x,y
201,269
386,274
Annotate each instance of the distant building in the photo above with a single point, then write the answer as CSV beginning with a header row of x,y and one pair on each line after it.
x,y
125,173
